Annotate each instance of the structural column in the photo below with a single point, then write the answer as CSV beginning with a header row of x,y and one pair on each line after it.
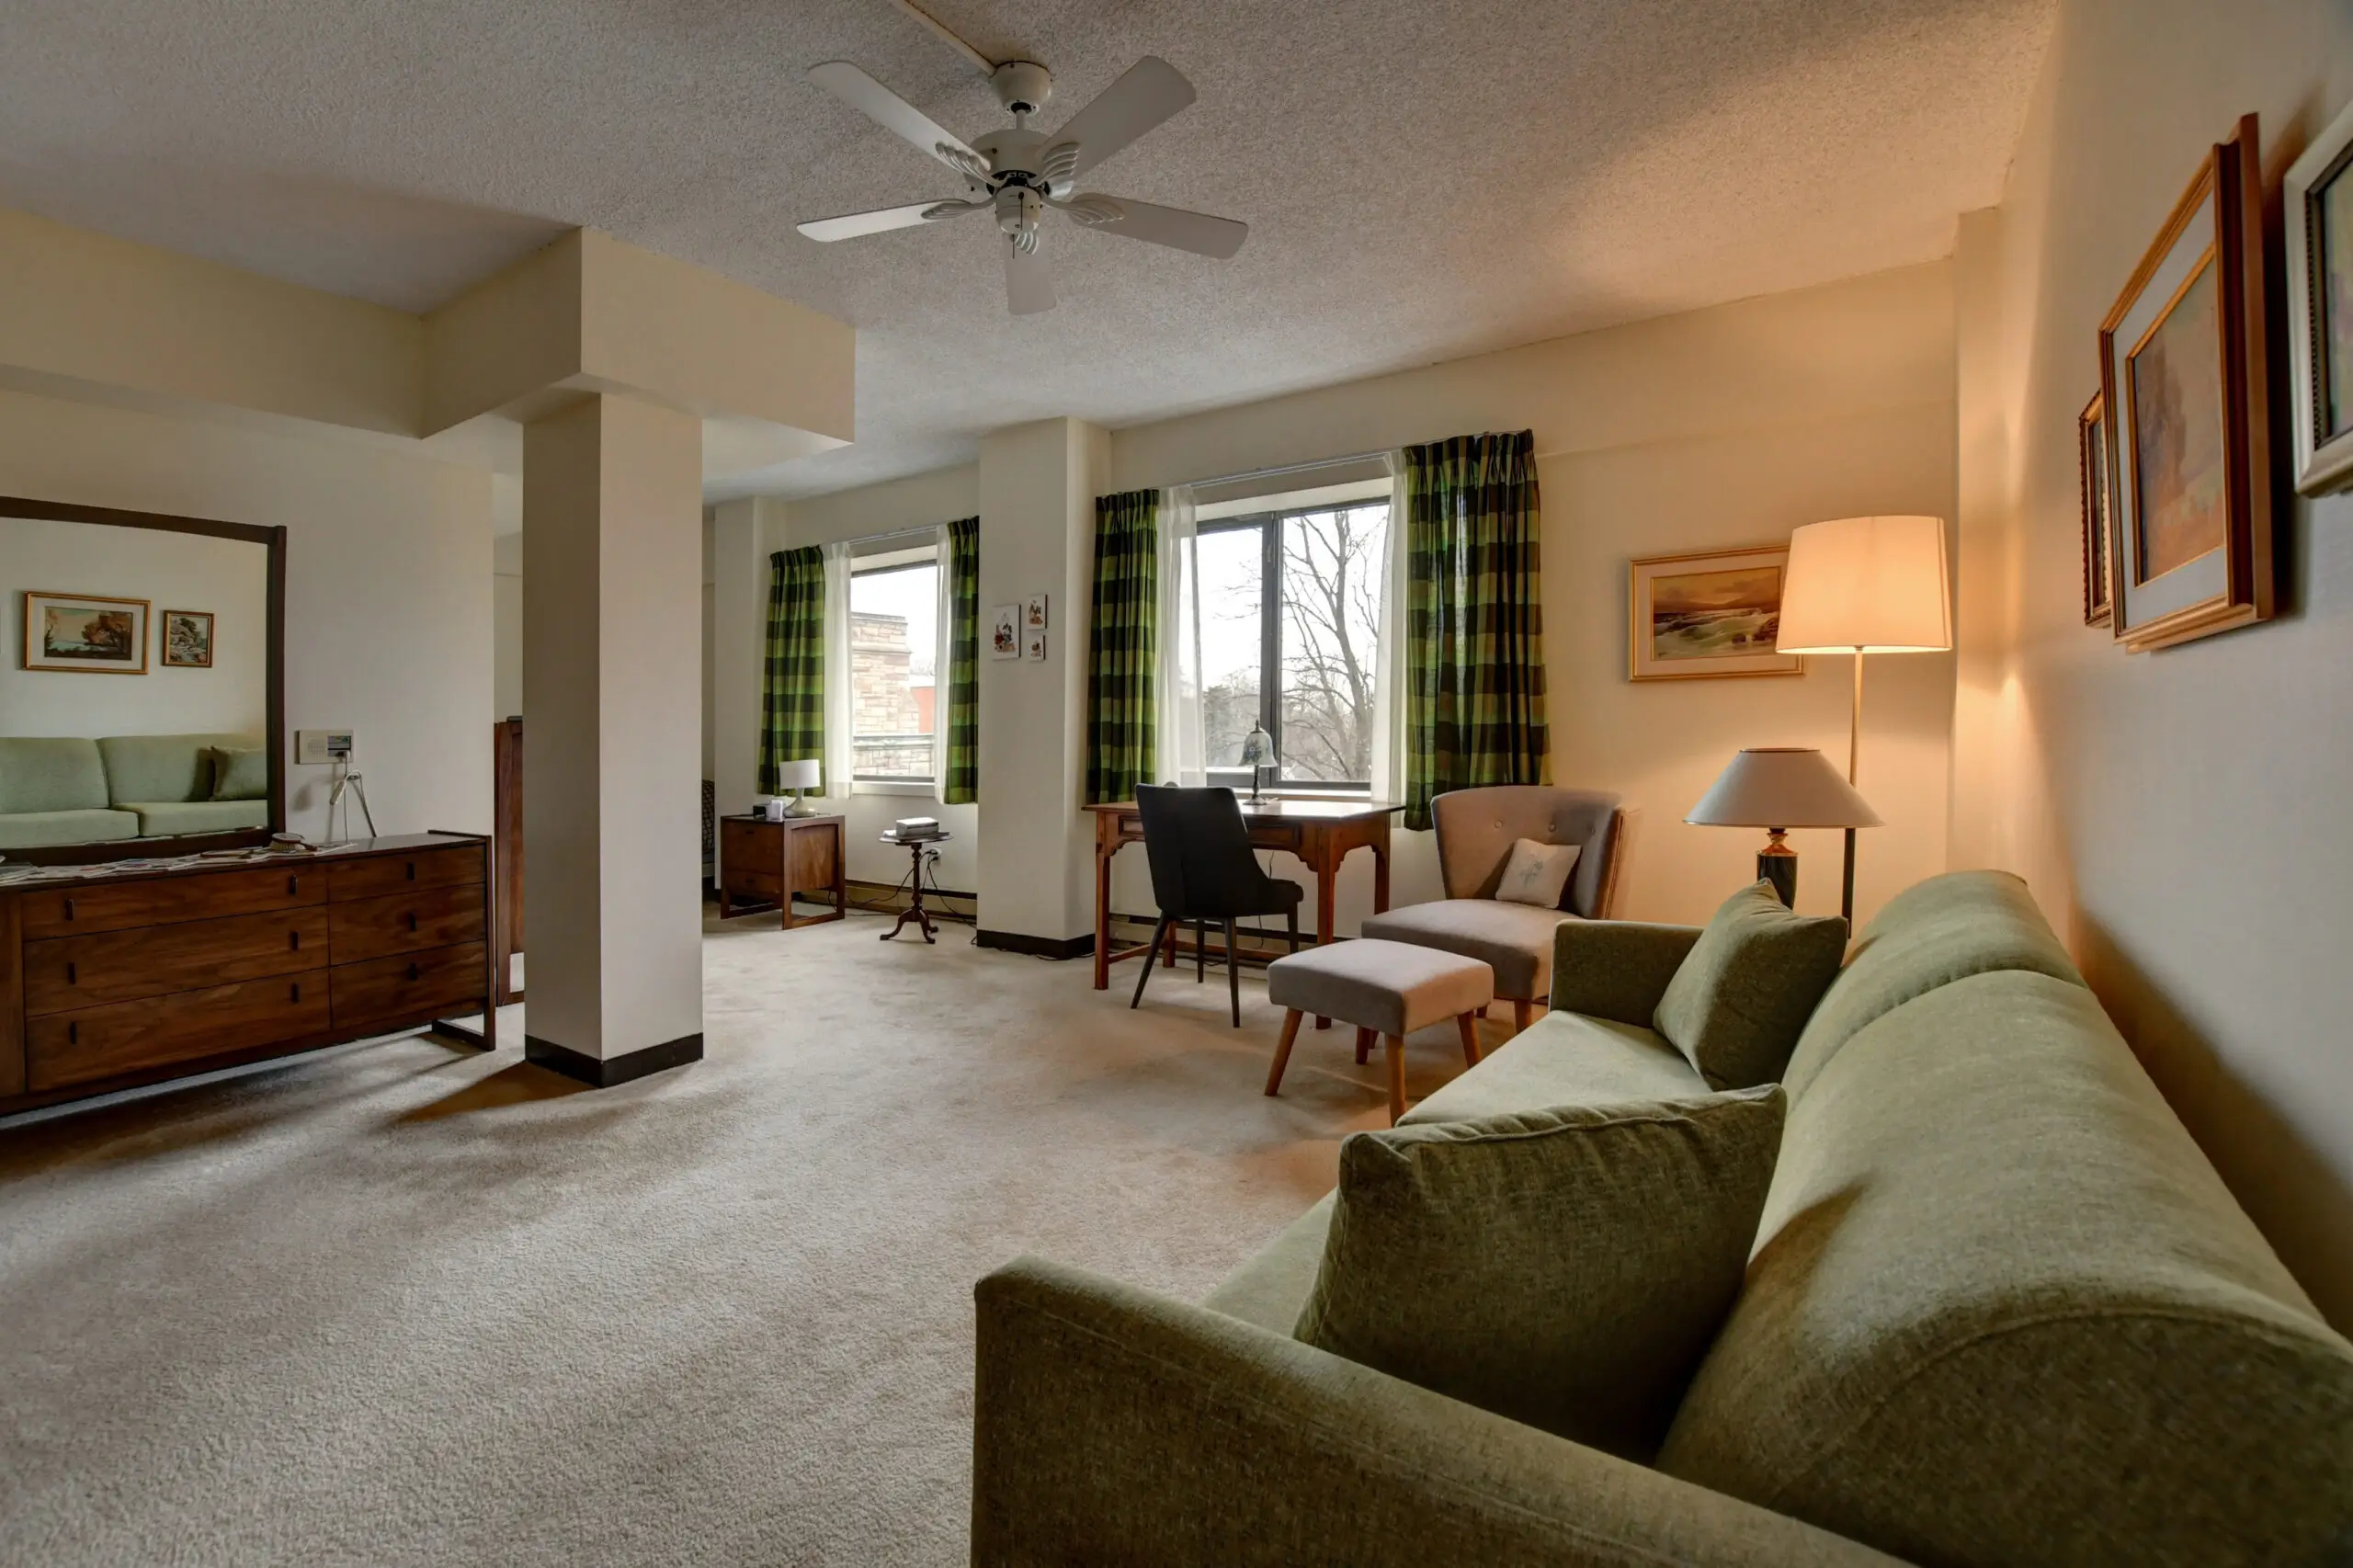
x,y
612,616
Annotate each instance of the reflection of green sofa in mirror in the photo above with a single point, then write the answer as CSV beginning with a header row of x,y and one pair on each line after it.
x,y
70,789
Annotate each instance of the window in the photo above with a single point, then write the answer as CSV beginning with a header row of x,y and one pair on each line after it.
x,y
894,611
1291,609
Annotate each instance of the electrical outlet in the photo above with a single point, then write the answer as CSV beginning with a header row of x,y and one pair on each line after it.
x,y
321,746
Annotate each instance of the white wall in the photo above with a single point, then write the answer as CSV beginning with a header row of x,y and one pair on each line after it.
x,y
388,592
229,578
2180,814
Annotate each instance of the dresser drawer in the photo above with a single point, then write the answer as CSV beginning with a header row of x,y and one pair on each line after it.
x,y
112,906
100,1043
65,973
407,922
379,875
384,994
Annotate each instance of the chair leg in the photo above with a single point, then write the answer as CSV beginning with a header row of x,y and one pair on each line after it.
x,y
1232,974
1364,1045
1282,1051
1520,1011
1395,1045
1468,1024
1293,913
1159,935
1200,951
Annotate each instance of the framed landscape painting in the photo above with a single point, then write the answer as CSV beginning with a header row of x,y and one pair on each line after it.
x,y
2318,196
1717,613
2182,386
188,639
85,633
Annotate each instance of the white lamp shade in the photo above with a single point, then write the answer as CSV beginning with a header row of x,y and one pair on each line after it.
x,y
797,775
1868,585
1781,787
1258,748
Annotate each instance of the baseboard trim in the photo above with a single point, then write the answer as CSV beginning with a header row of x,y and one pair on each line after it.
x,y
1036,947
605,1072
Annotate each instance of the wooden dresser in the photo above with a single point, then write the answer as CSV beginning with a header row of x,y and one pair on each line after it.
x,y
116,977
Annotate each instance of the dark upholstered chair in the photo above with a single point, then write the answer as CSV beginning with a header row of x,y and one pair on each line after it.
x,y
1203,868
1476,829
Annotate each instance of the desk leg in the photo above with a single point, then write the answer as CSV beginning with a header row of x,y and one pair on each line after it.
x,y
784,878
841,870
1327,877
1103,911
1380,875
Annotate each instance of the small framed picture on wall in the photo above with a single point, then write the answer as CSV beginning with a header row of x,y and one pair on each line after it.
x,y
1714,613
188,639
1005,631
2318,196
85,633
1033,613
2091,440
1033,645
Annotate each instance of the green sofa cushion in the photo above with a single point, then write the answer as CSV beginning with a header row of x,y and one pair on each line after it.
x,y
158,818
2002,1310
161,768
38,830
1565,1267
1564,1059
1931,934
239,773
1272,1287
1744,993
44,773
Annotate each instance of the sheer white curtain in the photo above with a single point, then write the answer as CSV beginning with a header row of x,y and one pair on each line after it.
x,y
943,607
1389,673
839,754
1176,675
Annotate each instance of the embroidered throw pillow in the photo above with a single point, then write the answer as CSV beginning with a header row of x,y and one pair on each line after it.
x,y
1536,872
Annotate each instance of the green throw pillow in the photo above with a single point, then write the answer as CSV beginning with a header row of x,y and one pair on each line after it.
x,y
1738,1003
1565,1267
239,774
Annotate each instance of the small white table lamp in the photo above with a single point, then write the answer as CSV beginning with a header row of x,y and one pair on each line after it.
x,y
1865,586
1777,788
1257,752
797,776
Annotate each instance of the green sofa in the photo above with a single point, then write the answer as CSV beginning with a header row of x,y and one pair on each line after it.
x,y
73,790
2000,1310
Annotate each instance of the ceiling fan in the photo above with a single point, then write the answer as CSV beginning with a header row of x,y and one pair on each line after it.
x,y
1021,174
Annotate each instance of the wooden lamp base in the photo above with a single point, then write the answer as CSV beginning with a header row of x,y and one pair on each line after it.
x,y
1778,864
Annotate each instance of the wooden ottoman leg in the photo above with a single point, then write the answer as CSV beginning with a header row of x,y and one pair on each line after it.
x,y
1395,1045
1282,1051
1519,1015
1468,1024
1364,1046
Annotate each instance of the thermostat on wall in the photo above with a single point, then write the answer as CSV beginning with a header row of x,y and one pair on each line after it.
x,y
323,745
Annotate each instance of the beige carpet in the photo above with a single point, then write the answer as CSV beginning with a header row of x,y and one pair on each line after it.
x,y
400,1303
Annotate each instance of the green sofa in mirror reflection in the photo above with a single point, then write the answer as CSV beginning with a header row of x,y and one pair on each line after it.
x,y
75,789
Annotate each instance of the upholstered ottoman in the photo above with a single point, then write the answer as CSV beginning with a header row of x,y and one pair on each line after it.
x,y
1389,989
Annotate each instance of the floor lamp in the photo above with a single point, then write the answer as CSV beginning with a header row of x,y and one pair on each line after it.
x,y
1865,586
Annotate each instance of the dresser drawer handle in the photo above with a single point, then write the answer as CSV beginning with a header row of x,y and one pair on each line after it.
x,y
69,909
293,886
412,871
72,1034
71,977
414,974
297,989
412,919
294,941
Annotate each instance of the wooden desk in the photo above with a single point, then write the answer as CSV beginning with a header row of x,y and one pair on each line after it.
x,y
1320,833
769,862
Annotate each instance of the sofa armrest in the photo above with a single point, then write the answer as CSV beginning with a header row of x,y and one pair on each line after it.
x,y
1114,1425
1616,968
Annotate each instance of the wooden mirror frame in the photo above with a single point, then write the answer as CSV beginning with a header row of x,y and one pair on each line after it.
x,y
274,704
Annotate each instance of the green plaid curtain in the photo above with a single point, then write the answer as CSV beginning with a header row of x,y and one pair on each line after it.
x,y
1120,740
792,688
1474,640
963,784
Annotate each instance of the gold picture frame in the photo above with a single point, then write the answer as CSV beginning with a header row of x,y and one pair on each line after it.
x,y
1721,610
2092,477
2182,381
186,643
85,634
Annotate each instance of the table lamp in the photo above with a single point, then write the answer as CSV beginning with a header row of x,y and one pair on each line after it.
x,y
800,775
1257,752
1865,586
1777,788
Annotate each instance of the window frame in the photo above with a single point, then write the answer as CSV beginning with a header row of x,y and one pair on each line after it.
x,y
1270,644
890,564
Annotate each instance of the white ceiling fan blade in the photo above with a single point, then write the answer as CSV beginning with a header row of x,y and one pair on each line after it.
x,y
855,223
1194,231
1146,93
1028,280
892,112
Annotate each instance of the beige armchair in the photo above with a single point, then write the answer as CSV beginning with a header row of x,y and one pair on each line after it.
x,y
1476,829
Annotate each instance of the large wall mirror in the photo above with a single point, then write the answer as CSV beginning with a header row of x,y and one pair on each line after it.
x,y
143,697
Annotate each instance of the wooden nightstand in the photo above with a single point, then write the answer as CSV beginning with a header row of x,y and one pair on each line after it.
x,y
769,862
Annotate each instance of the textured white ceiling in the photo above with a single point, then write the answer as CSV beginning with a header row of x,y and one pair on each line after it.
x,y
1423,178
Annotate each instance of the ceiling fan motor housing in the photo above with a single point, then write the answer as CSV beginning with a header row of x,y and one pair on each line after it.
x,y
1022,86
1019,210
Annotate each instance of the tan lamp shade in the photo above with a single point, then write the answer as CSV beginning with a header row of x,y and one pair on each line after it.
x,y
1781,787
1876,585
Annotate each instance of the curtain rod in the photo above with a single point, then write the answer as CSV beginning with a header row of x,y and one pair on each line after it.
x,y
1288,468
894,533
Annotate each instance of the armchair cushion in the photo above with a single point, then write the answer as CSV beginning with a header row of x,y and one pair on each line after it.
x,y
1738,1001
1513,939
1565,1267
1537,873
